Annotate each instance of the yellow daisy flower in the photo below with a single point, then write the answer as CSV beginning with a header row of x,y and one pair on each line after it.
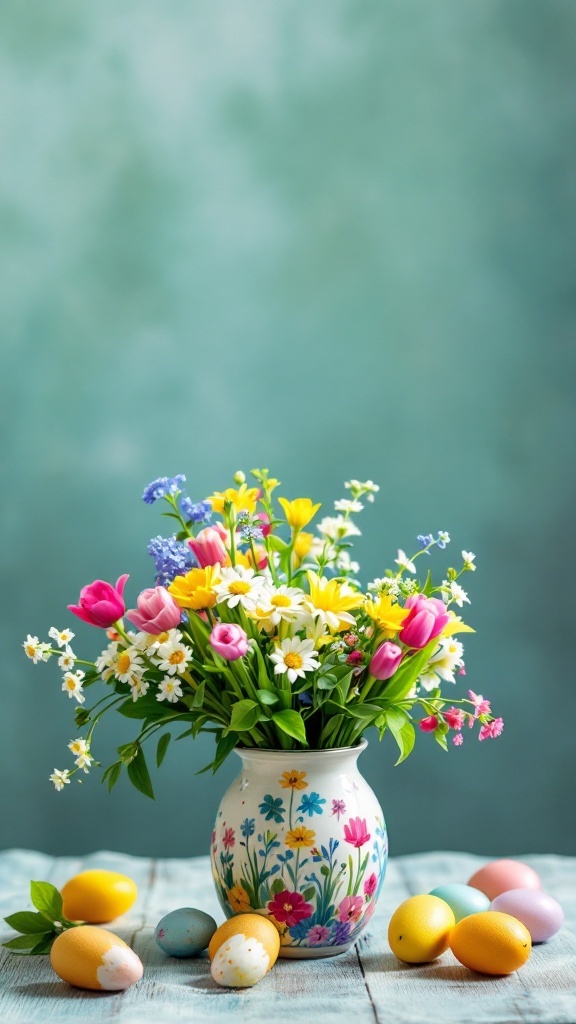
x,y
196,589
242,500
298,512
387,614
300,837
333,602
456,625
238,899
293,780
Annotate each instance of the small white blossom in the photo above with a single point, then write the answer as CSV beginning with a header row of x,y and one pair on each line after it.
x,y
67,660
443,538
173,657
457,594
348,505
338,528
79,746
35,650
61,636
294,657
72,685
84,762
128,664
170,690
443,663
468,559
60,779
346,564
404,562
106,661
139,687
369,488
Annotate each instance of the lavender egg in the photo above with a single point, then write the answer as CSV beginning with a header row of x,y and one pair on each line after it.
x,y
185,932
540,914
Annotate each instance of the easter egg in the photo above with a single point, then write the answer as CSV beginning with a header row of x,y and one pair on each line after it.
x,y
502,875
90,957
491,943
97,896
462,899
419,929
243,950
185,932
541,914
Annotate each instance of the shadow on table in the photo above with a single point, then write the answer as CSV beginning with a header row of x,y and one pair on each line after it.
x,y
60,990
387,963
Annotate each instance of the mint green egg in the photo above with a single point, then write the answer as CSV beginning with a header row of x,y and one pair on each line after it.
x,y
462,899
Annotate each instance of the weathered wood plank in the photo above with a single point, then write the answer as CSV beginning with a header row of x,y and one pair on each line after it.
x,y
367,985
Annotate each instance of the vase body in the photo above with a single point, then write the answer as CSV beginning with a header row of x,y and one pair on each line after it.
x,y
300,837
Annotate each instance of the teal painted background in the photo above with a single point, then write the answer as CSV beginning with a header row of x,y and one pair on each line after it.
x,y
336,239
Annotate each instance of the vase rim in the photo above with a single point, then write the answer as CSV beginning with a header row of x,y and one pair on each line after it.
x,y
266,752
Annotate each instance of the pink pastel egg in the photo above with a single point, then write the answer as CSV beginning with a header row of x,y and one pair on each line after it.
x,y
502,875
541,914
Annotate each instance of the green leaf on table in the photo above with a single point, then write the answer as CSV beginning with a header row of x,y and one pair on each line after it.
x,y
245,715
27,922
47,900
139,775
44,944
23,942
163,744
291,723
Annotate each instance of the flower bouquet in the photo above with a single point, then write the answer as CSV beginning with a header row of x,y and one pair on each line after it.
x,y
258,631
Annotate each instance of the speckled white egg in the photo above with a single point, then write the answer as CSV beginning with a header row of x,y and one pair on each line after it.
x,y
185,932
462,899
241,961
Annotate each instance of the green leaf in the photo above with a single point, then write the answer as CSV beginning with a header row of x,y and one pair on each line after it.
x,y
114,773
139,775
27,922
363,710
277,886
332,725
22,942
46,899
199,695
441,740
144,707
245,715
402,730
309,892
291,723
44,944
276,542
327,682
267,697
324,870
163,744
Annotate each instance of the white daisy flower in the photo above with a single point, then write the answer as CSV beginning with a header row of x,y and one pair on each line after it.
x,y
457,594
35,650
443,663
84,761
150,642
404,562
278,604
60,779
348,505
139,687
337,528
78,747
72,685
128,663
294,657
67,660
170,690
468,559
61,636
106,661
173,657
239,586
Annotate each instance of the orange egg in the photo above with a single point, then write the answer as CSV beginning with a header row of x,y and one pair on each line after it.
x,y
491,942
252,926
93,958
98,896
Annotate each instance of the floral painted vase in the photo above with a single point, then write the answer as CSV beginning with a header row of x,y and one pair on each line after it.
x,y
300,837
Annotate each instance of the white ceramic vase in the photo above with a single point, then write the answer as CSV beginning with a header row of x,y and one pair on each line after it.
x,y
300,837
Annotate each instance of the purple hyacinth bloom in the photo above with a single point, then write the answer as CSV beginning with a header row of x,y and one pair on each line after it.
x,y
171,557
162,486
196,512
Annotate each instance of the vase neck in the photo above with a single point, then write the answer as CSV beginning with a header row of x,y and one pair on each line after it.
x,y
337,758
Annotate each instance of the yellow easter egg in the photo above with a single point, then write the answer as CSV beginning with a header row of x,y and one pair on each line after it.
x,y
491,943
419,929
98,896
93,958
243,950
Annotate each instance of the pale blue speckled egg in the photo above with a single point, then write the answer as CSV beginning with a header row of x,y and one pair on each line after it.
x,y
185,932
462,899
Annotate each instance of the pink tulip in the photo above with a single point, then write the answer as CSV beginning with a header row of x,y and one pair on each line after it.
x,y
426,620
157,611
385,661
208,546
100,604
229,641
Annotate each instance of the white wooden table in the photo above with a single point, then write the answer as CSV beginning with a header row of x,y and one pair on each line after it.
x,y
365,985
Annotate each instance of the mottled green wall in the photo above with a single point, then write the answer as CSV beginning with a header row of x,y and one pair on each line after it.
x,y
332,238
